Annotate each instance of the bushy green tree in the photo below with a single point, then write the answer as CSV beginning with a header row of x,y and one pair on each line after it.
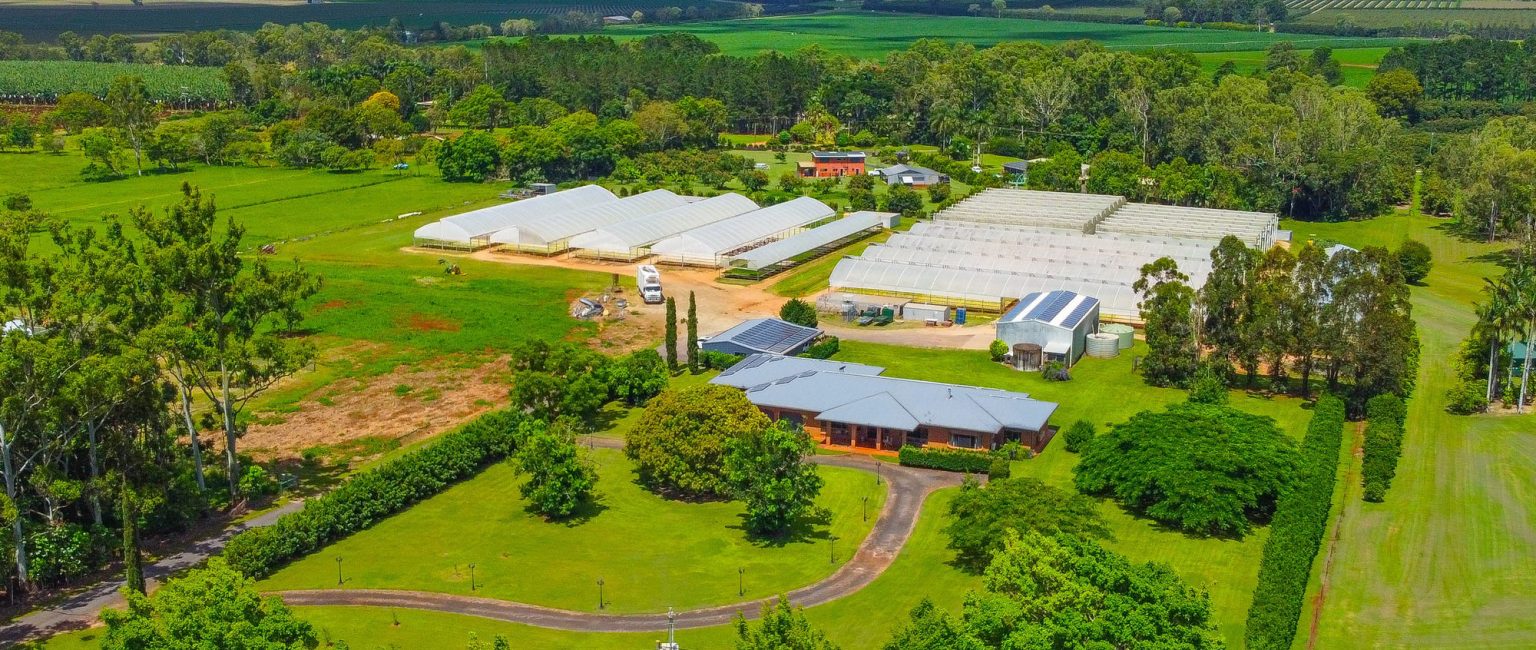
x,y
212,607
469,157
693,334
1415,260
782,626
1208,386
929,627
637,376
998,350
1078,435
771,471
799,312
559,479
679,445
1167,307
1206,469
979,516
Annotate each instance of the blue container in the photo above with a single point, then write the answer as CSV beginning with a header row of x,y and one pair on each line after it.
x,y
959,315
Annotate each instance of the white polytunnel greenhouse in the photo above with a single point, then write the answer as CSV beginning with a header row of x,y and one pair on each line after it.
x,y
473,229
1256,229
552,235
632,238
710,244
827,234
1063,210
968,287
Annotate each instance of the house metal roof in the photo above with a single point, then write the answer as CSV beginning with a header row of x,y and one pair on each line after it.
x,y
872,400
767,335
765,368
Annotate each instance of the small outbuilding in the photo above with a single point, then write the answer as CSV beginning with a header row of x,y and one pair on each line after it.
x,y
1058,322
762,336
911,176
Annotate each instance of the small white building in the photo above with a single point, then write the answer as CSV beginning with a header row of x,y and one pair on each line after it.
x,y
1057,321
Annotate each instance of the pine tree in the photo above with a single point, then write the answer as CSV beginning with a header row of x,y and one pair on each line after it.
x,y
671,333
693,335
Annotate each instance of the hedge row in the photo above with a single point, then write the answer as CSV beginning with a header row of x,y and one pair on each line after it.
x,y
373,495
1385,415
1296,533
951,460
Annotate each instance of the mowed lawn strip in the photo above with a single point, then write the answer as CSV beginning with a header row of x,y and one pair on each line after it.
x,y
1104,391
1449,560
652,553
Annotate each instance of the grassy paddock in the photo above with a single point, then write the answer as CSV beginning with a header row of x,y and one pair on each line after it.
x,y
652,553
1358,63
1449,559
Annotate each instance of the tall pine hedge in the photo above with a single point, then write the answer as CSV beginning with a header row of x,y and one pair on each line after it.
x,y
375,494
1296,533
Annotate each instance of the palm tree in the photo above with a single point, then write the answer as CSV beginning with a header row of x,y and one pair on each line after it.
x,y
1495,321
1520,283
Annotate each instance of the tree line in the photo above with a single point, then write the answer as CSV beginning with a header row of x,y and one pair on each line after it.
x,y
1338,313
111,340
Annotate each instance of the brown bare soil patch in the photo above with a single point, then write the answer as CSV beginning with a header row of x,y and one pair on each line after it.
x,y
331,304
408,404
425,323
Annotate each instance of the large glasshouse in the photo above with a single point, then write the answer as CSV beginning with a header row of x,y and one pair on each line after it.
x,y
632,238
990,249
712,244
475,229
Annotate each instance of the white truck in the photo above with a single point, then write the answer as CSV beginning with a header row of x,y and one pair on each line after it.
x,y
648,279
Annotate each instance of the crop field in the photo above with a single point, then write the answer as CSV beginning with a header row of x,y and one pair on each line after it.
x,y
44,81
1381,18
1315,5
46,19
873,34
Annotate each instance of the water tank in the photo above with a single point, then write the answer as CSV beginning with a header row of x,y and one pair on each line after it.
x,y
1026,356
1126,333
1103,346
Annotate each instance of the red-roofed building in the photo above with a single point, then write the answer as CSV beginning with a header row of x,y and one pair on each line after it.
x,y
829,164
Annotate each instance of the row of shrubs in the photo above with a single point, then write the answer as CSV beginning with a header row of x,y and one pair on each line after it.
x,y
375,494
994,463
1385,415
1296,532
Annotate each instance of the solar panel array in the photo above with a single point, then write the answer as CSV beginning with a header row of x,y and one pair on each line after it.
x,y
772,335
1051,306
1002,244
1078,312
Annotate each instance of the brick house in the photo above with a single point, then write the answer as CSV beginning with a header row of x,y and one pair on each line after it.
x,y
831,164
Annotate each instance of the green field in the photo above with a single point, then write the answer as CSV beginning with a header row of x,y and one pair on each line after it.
x,y
651,552
1387,18
1449,561
46,80
872,34
1358,64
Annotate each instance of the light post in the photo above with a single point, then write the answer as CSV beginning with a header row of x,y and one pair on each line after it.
x,y
866,508
471,577
600,603
877,472
832,549
741,581
338,571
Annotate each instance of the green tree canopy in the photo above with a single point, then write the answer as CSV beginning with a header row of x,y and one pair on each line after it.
x,y
213,607
771,470
1203,468
799,312
781,627
560,480
980,516
679,445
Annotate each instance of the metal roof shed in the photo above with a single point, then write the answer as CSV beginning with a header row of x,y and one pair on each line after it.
x,y
632,238
552,235
762,335
824,235
708,245
1054,320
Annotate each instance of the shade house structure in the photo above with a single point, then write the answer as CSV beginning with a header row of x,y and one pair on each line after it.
x,y
553,234
632,238
824,236
711,245
473,229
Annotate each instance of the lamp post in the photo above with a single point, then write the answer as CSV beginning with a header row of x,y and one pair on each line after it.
x,y
877,472
338,571
741,581
471,577
600,603
866,508
832,549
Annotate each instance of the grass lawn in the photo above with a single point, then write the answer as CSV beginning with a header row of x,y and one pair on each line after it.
x,y
652,553
1104,391
873,34
1449,560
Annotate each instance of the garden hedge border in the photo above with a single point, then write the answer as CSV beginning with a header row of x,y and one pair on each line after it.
x,y
1296,533
1385,415
371,496
949,460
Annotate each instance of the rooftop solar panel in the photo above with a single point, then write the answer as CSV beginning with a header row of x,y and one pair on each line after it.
x,y
1051,306
1078,312
773,336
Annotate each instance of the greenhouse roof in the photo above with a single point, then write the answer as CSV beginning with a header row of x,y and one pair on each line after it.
x,y
642,231
730,234
483,222
574,222
443,232
765,256
928,281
